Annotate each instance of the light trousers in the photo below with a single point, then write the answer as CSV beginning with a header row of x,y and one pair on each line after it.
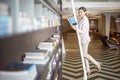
x,y
88,57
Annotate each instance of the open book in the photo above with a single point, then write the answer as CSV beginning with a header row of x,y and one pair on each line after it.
x,y
71,20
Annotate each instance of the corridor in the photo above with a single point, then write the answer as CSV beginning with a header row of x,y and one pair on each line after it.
x,y
72,65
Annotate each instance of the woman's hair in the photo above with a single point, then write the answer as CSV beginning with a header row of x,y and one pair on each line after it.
x,y
82,8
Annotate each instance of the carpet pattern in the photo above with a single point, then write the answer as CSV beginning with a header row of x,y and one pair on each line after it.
x,y
72,65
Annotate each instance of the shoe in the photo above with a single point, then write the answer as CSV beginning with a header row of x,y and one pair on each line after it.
x,y
99,66
88,72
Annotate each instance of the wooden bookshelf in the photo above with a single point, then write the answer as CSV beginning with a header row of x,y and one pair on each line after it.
x,y
12,47
43,69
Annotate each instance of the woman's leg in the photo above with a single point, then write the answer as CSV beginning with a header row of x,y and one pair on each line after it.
x,y
87,66
86,60
89,57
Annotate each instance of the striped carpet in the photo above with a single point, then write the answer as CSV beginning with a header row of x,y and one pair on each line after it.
x,y
72,66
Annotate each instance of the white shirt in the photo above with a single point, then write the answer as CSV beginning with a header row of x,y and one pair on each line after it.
x,y
83,29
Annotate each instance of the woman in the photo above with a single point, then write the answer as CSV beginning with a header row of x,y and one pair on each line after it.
x,y
83,30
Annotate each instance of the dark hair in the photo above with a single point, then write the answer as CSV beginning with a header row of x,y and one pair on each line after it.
x,y
82,8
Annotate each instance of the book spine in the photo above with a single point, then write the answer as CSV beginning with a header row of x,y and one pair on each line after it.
x,y
35,57
5,25
35,54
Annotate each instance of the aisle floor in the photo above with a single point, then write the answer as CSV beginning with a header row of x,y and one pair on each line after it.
x,y
72,65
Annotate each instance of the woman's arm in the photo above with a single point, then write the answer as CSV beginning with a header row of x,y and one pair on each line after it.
x,y
84,26
80,31
74,28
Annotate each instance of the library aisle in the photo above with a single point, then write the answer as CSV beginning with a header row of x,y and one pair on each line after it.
x,y
72,66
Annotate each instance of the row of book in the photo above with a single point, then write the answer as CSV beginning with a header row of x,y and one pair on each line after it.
x,y
50,45
43,22
36,57
41,54
53,66
26,69
59,66
24,22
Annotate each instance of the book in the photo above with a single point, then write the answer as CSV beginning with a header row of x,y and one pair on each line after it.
x,y
35,57
4,9
19,71
36,61
72,21
53,63
36,54
47,45
56,35
5,25
56,39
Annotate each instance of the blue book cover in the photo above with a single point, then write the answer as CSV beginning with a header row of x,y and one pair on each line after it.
x,y
71,20
21,66
5,25
19,71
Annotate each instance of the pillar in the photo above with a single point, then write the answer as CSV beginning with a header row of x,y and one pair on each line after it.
x,y
118,24
107,24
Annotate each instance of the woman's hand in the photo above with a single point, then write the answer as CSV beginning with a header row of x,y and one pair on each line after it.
x,y
73,26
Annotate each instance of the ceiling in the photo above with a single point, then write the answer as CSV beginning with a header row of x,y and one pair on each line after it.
x,y
94,7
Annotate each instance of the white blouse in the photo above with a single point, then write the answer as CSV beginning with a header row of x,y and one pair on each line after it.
x,y
83,29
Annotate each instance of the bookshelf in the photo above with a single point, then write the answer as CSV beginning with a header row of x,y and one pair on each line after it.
x,y
23,16
12,47
16,8
45,68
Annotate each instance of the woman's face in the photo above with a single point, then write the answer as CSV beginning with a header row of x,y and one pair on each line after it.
x,y
81,13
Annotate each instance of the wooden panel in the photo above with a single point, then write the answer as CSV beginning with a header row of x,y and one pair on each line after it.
x,y
12,48
66,26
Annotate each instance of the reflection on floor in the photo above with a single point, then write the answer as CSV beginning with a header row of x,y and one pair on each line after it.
x,y
72,65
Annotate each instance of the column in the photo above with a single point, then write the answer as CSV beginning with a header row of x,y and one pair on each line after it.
x,y
107,23
118,24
